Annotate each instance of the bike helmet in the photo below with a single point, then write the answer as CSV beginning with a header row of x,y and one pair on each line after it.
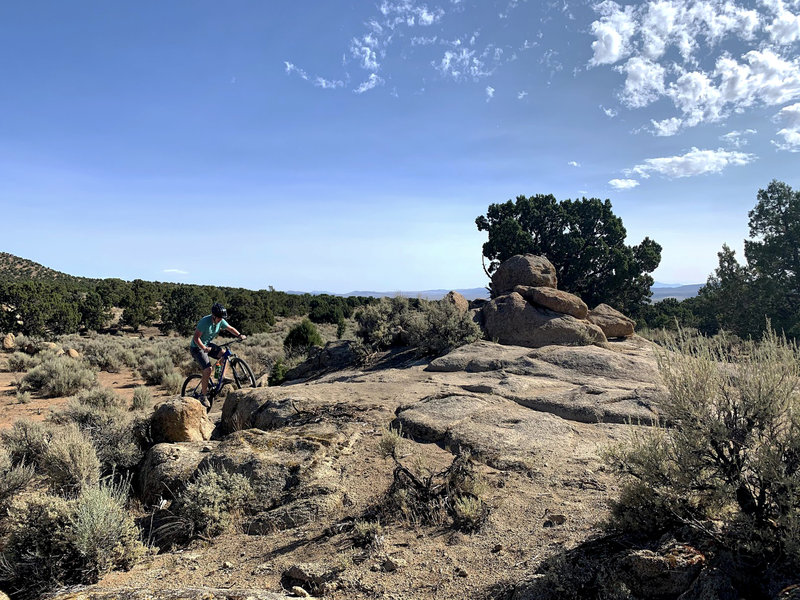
x,y
219,311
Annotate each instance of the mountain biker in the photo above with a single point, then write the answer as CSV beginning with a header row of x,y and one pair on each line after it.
x,y
201,347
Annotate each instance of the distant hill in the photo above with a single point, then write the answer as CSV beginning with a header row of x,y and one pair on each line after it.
x,y
680,292
469,294
14,267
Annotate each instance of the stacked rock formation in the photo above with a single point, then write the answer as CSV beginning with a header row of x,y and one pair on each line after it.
x,y
528,309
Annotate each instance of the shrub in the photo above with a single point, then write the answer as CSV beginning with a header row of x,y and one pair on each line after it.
x,y
26,441
19,362
103,532
142,398
172,382
341,328
119,438
278,373
13,478
58,376
209,504
70,461
23,397
101,397
430,327
301,337
155,368
51,541
731,452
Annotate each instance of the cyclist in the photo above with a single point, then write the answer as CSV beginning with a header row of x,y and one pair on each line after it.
x,y
201,347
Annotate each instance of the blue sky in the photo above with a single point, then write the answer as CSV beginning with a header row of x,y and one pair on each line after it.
x,y
344,145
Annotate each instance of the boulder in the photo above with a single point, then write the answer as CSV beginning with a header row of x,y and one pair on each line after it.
x,y
613,323
457,300
50,347
527,269
555,300
8,342
167,468
509,319
180,420
666,573
72,353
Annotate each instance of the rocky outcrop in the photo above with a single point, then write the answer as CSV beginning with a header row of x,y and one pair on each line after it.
x,y
180,420
555,300
168,467
335,356
613,323
8,342
523,269
510,319
457,300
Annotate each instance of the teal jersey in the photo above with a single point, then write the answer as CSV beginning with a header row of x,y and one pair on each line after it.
x,y
208,331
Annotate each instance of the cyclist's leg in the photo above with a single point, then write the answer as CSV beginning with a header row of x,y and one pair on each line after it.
x,y
205,364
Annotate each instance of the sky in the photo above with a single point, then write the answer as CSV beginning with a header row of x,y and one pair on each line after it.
x,y
340,145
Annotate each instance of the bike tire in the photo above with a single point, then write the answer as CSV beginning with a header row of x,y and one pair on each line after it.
x,y
192,386
242,374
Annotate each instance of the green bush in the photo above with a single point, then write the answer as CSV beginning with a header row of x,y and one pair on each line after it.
x,y
142,398
58,376
730,454
70,461
172,382
301,337
26,441
23,397
209,504
278,373
100,397
13,478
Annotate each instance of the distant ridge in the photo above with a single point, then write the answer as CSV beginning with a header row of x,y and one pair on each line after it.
x,y
14,267
680,292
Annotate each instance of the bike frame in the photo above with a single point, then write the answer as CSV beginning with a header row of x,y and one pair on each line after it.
x,y
223,361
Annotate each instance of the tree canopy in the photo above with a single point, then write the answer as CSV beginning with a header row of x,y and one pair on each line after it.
x,y
583,239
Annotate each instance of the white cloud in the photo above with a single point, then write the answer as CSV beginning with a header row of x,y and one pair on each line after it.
x,y
694,162
667,127
790,117
613,32
785,27
462,64
623,184
644,82
522,95
364,51
489,93
327,84
737,139
291,68
610,112
176,271
574,163
372,82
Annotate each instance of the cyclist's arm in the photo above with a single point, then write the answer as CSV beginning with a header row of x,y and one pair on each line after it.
x,y
197,342
234,331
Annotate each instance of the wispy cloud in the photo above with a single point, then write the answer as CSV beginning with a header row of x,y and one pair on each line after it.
x,y
372,82
789,116
737,139
574,163
694,162
176,271
291,68
623,184
489,93
522,95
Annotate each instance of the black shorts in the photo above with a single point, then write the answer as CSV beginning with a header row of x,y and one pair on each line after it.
x,y
202,357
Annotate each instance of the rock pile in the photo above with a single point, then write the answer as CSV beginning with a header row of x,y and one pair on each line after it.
x,y
527,309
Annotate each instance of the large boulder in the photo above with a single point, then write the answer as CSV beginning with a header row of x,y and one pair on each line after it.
x,y
8,342
334,356
457,300
180,420
167,468
613,323
556,300
510,319
523,269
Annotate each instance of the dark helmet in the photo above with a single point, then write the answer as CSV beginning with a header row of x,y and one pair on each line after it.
x,y
219,311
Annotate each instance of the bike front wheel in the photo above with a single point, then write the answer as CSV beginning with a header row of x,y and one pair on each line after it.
x,y
192,386
242,374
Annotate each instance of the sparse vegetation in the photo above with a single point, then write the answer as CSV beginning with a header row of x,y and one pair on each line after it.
x,y
727,466
70,461
301,338
58,376
142,398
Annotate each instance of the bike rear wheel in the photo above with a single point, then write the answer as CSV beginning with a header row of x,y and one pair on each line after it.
x,y
242,374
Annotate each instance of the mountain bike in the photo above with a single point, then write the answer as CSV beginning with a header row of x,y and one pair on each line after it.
x,y
242,376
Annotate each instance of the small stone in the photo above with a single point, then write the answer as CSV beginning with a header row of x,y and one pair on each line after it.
x,y
300,592
227,565
392,564
461,572
554,520
497,548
